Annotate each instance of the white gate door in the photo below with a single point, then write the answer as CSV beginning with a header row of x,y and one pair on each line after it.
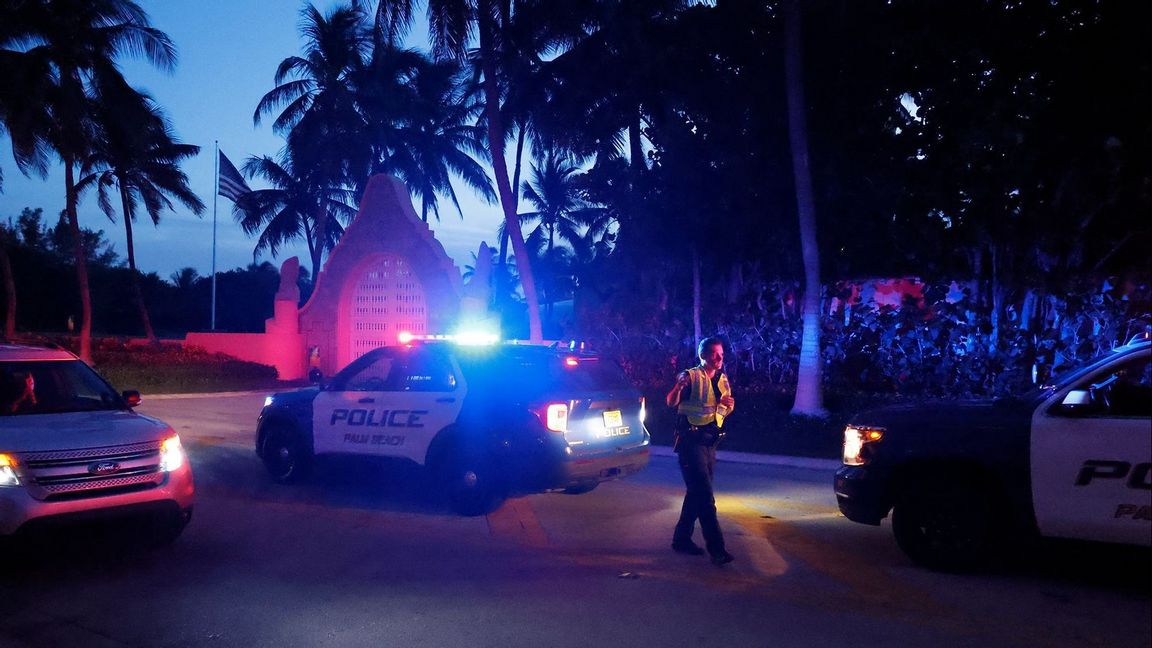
x,y
387,299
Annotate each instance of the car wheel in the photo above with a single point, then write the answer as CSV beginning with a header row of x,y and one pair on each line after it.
x,y
949,530
286,457
471,483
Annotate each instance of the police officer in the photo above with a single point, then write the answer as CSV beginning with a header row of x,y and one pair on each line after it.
x,y
702,398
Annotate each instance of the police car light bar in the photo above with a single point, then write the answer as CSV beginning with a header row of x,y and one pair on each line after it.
x,y
467,338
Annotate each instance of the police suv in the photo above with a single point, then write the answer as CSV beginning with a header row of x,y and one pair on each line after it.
x,y
1072,459
489,420
71,448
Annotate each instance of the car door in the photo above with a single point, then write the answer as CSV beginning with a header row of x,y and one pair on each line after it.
x,y
344,415
394,406
1091,456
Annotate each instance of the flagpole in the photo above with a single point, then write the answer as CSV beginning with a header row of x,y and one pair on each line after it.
x,y
215,193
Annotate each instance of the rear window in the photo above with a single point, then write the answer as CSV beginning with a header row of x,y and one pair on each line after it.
x,y
533,374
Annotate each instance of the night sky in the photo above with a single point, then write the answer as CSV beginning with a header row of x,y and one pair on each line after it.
x,y
228,52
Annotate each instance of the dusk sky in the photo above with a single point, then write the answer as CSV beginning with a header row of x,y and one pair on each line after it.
x,y
228,52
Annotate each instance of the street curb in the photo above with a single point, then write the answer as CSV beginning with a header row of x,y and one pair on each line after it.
x,y
808,463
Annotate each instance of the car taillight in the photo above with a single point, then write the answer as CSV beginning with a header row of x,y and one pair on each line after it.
x,y
643,410
554,416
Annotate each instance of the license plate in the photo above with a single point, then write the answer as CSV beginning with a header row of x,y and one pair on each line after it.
x,y
612,419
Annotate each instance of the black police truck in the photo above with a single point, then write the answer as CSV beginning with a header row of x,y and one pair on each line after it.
x,y
1072,459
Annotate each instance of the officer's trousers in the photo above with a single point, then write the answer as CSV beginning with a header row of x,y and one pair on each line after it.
x,y
697,465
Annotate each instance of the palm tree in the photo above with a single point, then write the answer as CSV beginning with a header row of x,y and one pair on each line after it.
x,y
421,125
524,90
603,114
289,210
63,46
560,212
450,24
184,278
139,155
809,395
21,120
319,113
502,278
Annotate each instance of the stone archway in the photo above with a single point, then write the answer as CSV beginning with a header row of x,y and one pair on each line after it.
x,y
387,298
354,306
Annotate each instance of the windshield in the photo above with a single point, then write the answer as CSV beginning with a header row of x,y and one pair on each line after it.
x,y
53,386
1067,378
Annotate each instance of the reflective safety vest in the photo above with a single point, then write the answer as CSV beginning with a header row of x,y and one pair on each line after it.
x,y
699,404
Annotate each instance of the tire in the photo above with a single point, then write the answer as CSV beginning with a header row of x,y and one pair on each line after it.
x,y
470,482
286,456
946,530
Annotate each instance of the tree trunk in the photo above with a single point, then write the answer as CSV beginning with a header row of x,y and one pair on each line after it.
x,y
697,332
321,234
503,278
9,289
136,291
550,277
997,304
311,244
636,146
81,262
809,392
500,168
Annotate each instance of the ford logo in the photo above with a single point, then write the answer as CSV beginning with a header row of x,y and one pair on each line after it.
x,y
103,467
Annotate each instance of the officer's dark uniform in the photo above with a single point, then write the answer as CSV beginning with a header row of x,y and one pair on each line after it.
x,y
696,450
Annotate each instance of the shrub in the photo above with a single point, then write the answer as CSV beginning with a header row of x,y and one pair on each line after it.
x,y
168,368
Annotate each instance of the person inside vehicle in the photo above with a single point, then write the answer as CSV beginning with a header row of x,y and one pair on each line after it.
x,y
702,398
20,392
1130,391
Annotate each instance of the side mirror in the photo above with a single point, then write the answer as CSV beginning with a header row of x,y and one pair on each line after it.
x,y
132,397
1077,398
1078,402
315,376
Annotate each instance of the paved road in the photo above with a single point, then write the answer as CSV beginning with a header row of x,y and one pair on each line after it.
x,y
362,556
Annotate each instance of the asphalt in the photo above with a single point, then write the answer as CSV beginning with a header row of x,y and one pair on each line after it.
x,y
761,459
658,451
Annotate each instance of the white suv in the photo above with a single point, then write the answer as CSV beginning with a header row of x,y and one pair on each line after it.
x,y
71,449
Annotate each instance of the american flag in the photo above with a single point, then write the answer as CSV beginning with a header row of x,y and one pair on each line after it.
x,y
232,184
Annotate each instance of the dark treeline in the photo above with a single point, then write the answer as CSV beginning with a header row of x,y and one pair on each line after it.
x,y
1003,145
1003,142
42,262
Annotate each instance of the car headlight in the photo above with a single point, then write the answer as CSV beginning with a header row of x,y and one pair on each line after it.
x,y
171,454
8,471
855,438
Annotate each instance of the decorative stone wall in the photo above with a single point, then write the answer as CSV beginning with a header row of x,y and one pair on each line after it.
x,y
388,274
386,253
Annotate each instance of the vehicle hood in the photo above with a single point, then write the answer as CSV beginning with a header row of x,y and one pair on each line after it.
x,y
939,428
74,430
951,413
303,395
